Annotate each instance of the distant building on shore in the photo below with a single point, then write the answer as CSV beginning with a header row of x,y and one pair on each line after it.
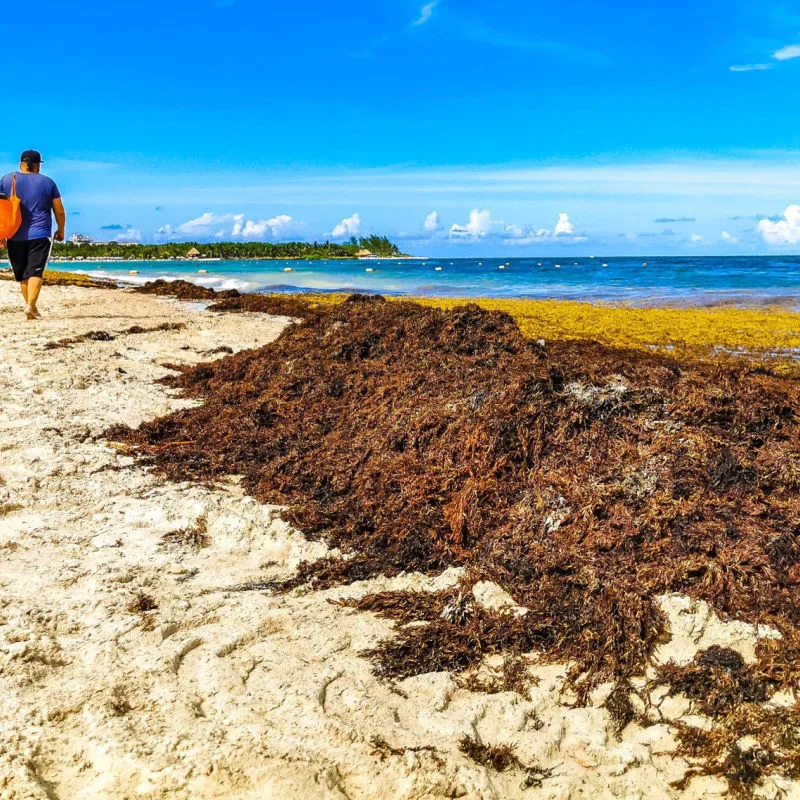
x,y
80,238
193,253
365,254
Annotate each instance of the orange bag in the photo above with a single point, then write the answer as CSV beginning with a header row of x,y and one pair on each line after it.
x,y
10,212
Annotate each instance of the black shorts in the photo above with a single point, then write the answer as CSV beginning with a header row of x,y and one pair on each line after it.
x,y
28,259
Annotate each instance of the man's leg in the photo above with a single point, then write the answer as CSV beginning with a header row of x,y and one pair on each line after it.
x,y
38,256
18,258
32,294
30,313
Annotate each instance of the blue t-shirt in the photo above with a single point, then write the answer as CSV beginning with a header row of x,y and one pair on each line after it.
x,y
36,193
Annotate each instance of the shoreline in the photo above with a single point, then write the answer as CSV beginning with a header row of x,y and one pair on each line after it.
x,y
768,331
700,299
180,259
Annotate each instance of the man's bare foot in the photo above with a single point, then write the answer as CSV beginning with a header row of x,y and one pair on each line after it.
x,y
30,313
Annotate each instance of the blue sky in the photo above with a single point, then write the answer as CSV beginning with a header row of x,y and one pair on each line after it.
x,y
457,127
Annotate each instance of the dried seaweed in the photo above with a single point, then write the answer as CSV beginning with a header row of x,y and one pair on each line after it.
x,y
231,300
282,305
142,603
105,336
406,606
753,741
583,479
513,676
535,777
499,758
383,749
619,706
54,277
779,659
117,703
195,537
717,681
183,290
751,737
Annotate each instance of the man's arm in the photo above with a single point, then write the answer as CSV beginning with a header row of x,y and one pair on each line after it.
x,y
4,190
61,218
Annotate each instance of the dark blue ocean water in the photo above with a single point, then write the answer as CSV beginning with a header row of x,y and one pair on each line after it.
x,y
697,281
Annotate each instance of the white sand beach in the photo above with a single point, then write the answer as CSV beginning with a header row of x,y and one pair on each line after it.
x,y
134,665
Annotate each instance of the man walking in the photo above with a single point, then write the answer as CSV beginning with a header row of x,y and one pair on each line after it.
x,y
29,248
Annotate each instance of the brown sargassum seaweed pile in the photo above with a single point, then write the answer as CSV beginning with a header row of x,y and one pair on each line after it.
x,y
229,300
183,290
584,480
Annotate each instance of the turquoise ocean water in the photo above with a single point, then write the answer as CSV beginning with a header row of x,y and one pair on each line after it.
x,y
642,281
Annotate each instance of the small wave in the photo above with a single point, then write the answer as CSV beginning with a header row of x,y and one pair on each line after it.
x,y
219,282
127,278
224,284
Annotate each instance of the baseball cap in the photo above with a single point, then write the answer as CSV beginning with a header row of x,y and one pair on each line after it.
x,y
31,156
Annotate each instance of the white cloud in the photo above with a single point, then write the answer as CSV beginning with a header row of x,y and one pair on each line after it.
x,y
784,231
238,225
479,225
426,12
696,238
564,230
749,67
726,237
233,225
517,234
787,53
255,229
200,224
282,225
432,223
564,227
784,54
347,227
129,235
277,228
